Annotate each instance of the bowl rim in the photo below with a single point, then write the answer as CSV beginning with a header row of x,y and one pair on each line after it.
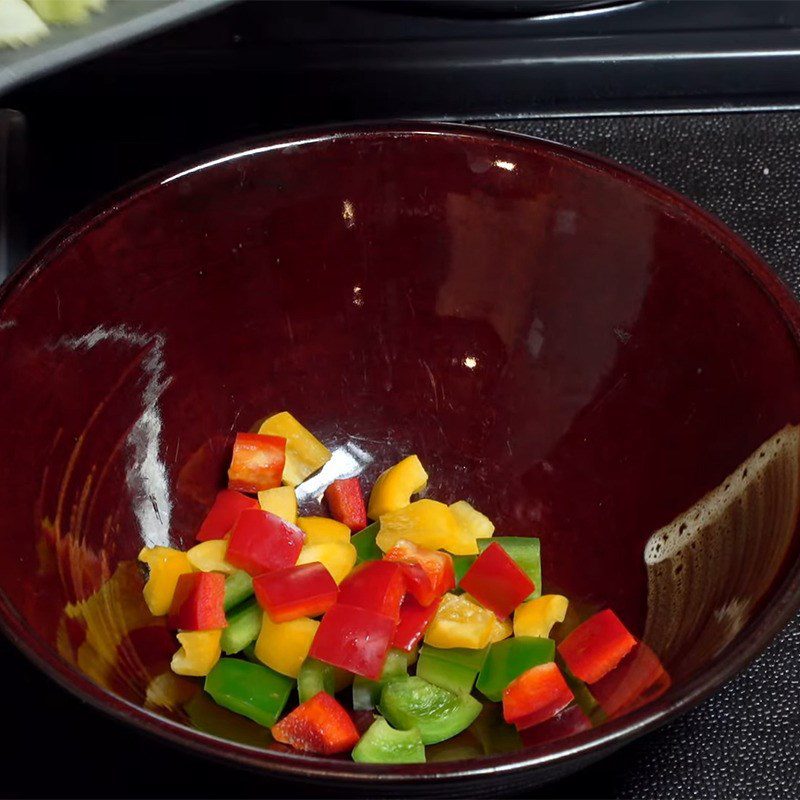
x,y
594,743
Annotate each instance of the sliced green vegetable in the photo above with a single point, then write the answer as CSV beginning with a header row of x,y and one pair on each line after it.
x,y
525,551
508,659
438,714
382,744
252,690
364,543
367,693
238,587
244,625
454,669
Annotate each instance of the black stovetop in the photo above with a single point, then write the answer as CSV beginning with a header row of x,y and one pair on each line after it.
x,y
107,121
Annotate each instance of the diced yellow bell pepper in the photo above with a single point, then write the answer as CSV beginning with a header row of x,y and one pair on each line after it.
x,y
305,454
322,529
210,557
501,629
394,487
338,558
284,646
280,501
200,650
477,525
427,523
537,617
460,622
166,566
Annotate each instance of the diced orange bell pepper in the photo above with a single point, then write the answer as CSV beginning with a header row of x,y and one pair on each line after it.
x,y
199,651
284,646
305,454
460,622
427,523
322,529
257,462
166,566
429,573
394,487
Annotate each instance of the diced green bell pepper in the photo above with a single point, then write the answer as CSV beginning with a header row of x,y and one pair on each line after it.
x,y
454,669
244,625
364,543
316,676
438,714
238,587
508,659
252,690
525,551
366,693
382,744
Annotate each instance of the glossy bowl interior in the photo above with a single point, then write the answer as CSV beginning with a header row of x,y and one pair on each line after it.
x,y
577,351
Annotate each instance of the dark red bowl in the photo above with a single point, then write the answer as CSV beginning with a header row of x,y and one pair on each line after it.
x,y
577,350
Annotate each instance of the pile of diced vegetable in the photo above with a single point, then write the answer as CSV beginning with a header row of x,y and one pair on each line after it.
x,y
336,607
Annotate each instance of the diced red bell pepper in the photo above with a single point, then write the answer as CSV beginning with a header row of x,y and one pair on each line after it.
x,y
414,620
303,591
535,696
199,602
596,646
496,581
257,462
428,573
639,678
223,514
376,585
346,503
320,725
570,721
355,639
261,542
